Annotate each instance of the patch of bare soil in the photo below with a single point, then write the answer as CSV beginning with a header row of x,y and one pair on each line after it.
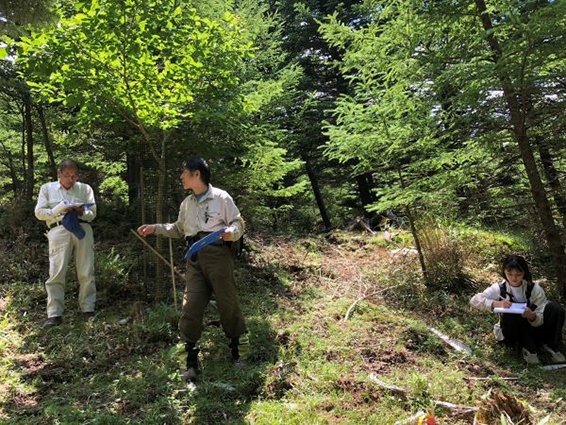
x,y
382,362
360,392
31,364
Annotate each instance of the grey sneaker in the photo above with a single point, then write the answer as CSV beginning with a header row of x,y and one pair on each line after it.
x,y
556,356
530,358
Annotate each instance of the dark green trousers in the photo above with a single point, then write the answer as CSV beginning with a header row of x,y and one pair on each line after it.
x,y
212,272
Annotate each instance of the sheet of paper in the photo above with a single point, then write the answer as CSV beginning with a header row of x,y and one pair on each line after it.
x,y
516,308
64,205
78,204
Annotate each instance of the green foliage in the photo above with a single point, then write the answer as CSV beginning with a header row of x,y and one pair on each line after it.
x,y
113,271
443,254
150,65
390,122
493,244
308,364
426,113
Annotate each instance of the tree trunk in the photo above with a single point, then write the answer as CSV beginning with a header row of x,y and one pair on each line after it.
x,y
415,233
418,244
47,142
29,175
23,145
318,196
365,185
160,287
552,177
133,178
527,156
143,220
12,168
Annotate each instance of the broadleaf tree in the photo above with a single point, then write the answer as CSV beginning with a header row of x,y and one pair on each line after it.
x,y
151,64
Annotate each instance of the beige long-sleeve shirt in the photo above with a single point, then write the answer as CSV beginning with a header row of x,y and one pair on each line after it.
x,y
215,210
485,299
53,193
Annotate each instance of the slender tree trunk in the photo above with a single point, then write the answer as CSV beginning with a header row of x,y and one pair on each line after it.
x,y
23,145
552,177
520,134
143,220
365,185
12,168
418,244
47,142
30,178
160,287
133,178
318,195
415,233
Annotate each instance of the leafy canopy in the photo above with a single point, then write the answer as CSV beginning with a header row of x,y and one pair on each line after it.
x,y
152,63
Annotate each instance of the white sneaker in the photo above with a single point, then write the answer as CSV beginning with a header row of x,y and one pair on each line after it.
x,y
530,358
557,356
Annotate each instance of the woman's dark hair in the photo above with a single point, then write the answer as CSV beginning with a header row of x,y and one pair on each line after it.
x,y
195,163
516,262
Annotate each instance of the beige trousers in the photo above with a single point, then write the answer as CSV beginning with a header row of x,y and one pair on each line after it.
x,y
62,244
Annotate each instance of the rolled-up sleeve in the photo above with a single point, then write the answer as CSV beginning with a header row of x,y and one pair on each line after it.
x,y
88,198
176,229
485,299
538,298
233,217
42,209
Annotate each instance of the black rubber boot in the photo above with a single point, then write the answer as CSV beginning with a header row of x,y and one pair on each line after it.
x,y
234,348
192,371
240,350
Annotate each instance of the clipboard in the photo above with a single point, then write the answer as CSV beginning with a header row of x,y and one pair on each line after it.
x,y
516,308
201,243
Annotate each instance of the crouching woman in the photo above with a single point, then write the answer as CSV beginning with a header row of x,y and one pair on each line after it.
x,y
539,327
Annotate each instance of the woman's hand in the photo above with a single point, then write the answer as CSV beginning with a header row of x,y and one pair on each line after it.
x,y
529,314
501,304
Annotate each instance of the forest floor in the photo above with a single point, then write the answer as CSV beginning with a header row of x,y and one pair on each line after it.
x,y
340,332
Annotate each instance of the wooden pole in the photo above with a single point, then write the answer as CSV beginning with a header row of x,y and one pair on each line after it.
x,y
172,273
157,254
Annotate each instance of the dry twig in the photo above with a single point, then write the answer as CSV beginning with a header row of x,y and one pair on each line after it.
x,y
363,297
458,409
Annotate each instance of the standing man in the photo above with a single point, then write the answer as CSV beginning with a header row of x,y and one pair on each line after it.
x,y
210,270
67,206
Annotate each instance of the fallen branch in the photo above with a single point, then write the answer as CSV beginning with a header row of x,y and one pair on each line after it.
x,y
459,409
363,297
554,366
393,388
452,342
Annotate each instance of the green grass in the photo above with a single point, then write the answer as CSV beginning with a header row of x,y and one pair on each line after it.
x,y
308,364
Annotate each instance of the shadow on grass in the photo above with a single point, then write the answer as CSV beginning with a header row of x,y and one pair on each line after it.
x,y
115,372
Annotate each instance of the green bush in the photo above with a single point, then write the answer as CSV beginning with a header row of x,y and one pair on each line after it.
x,y
443,256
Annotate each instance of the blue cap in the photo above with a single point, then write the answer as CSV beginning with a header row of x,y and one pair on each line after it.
x,y
72,224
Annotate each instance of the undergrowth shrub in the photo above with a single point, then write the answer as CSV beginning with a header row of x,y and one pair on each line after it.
x,y
22,259
113,270
491,245
443,256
